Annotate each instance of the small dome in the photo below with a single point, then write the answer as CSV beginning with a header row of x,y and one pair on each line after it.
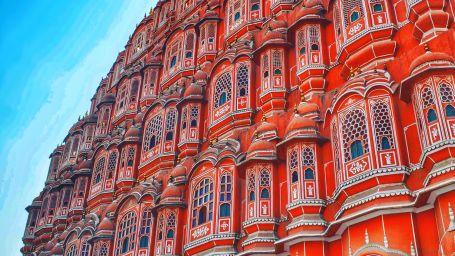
x,y
430,58
171,191
305,108
179,170
277,24
266,127
261,145
57,250
106,224
133,132
300,123
193,90
273,35
200,75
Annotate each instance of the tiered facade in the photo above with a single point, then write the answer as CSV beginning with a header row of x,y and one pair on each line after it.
x,y
257,127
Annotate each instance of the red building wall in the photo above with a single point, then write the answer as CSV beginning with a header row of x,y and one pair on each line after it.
x,y
258,127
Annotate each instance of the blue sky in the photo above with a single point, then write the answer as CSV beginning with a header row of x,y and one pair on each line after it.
x,y
53,54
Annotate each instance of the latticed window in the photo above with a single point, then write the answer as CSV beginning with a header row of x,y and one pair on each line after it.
x,y
446,95
146,225
170,124
337,19
352,11
265,184
336,146
189,44
126,235
265,66
194,116
211,33
355,135
236,13
170,226
293,166
160,227
153,133
242,80
277,62
174,54
307,156
112,163
81,187
85,249
103,251
314,38
184,118
99,169
308,40
134,91
202,208
301,42
252,186
72,251
225,195
428,104
130,159
382,122
223,89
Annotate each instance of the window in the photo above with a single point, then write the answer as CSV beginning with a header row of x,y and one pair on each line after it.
x,y
265,66
170,225
146,225
173,61
237,16
252,196
99,169
202,207
184,118
189,44
255,7
225,195
242,80
102,251
309,174
170,124
85,249
44,208
377,8
356,149
130,160
223,90
194,116
354,16
431,115
295,177
153,133
382,123
134,91
126,233
352,11
265,183
72,251
112,163
276,61
355,134
252,186
450,111
308,39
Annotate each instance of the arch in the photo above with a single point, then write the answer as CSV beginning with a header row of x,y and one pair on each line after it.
x,y
309,174
431,115
265,194
450,111
295,177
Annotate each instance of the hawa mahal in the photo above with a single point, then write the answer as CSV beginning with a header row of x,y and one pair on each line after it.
x,y
254,127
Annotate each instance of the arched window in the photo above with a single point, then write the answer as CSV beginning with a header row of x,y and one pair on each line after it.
x,y
112,163
355,134
295,177
102,251
202,207
356,149
72,251
225,210
184,118
309,174
130,159
223,88
170,124
134,91
170,225
236,16
307,156
146,225
242,80
377,8
382,123
85,249
431,115
252,186
450,111
160,227
173,61
99,169
153,133
265,65
277,62
225,194
126,233
189,44
352,11
265,193
255,7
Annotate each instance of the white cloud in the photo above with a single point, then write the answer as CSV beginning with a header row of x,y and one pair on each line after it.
x,y
27,159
